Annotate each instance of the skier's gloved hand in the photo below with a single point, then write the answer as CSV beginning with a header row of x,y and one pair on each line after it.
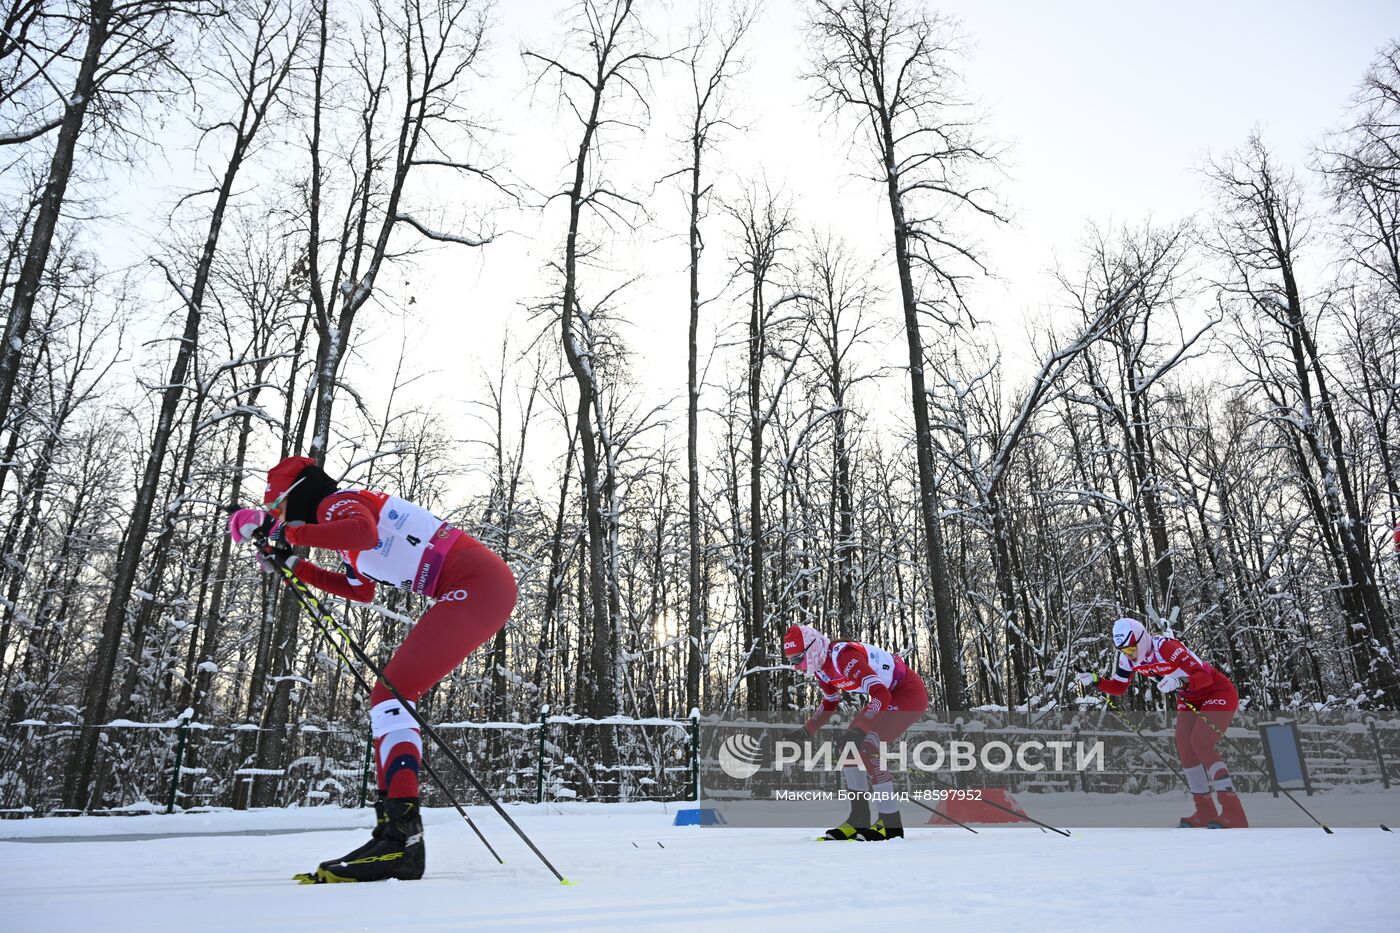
x,y
277,533
247,524
798,736
1086,679
1172,682
269,557
852,736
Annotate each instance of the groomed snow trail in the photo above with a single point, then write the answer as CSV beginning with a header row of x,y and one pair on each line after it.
x,y
633,870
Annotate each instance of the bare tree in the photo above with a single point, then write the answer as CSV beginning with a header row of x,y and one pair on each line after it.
x,y
843,297
764,224
616,54
890,66
713,62
987,432
1362,165
1260,233
409,66
503,509
260,44
125,45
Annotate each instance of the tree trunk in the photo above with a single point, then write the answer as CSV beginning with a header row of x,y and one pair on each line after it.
x,y
695,611
949,644
36,257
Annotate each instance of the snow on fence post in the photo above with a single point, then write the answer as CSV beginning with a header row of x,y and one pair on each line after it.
x,y
695,752
539,762
179,763
1376,738
182,732
369,763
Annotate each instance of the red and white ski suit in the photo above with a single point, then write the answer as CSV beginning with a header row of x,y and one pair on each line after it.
x,y
1207,693
897,694
384,539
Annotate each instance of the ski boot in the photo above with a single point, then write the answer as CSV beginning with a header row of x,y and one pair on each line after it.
x,y
888,826
1205,812
857,821
395,851
1231,812
381,825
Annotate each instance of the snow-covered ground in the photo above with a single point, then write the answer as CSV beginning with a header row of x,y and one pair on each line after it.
x,y
632,869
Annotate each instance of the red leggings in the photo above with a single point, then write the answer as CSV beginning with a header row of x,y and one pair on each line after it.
x,y
1199,730
476,594
908,702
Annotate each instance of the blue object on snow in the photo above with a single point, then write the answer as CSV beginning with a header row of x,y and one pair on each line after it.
x,y
1283,751
705,816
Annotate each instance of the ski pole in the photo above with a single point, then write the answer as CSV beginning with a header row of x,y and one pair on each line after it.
x,y
427,765
1237,747
327,621
917,802
1016,813
1108,700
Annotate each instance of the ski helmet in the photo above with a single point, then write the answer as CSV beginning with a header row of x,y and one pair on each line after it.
x,y
805,647
1129,633
295,487
282,477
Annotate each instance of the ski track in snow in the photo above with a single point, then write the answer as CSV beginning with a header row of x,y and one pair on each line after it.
x,y
163,878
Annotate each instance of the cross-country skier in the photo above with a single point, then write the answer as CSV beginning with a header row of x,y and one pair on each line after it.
x,y
1206,704
897,699
384,539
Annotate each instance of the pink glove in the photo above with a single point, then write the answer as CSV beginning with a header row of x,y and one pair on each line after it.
x,y
245,523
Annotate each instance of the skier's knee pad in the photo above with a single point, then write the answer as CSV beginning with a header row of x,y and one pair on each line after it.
x,y
1220,776
390,716
398,743
1196,779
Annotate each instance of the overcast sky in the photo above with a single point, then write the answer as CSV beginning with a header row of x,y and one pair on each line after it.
x,y
1107,109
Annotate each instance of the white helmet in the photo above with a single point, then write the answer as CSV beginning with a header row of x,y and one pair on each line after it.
x,y
1129,633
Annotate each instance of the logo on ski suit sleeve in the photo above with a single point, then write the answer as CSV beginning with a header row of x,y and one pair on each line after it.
x,y
887,668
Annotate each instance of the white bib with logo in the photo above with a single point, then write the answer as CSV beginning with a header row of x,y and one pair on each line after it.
x,y
405,531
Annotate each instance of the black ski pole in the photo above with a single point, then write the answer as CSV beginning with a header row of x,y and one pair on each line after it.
x,y
919,803
1108,700
427,765
1016,813
327,621
1254,761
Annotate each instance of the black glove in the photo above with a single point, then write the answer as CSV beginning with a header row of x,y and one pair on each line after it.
x,y
269,556
852,736
276,532
798,736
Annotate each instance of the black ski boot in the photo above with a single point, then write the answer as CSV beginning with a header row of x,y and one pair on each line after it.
x,y
395,851
381,826
857,821
888,826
